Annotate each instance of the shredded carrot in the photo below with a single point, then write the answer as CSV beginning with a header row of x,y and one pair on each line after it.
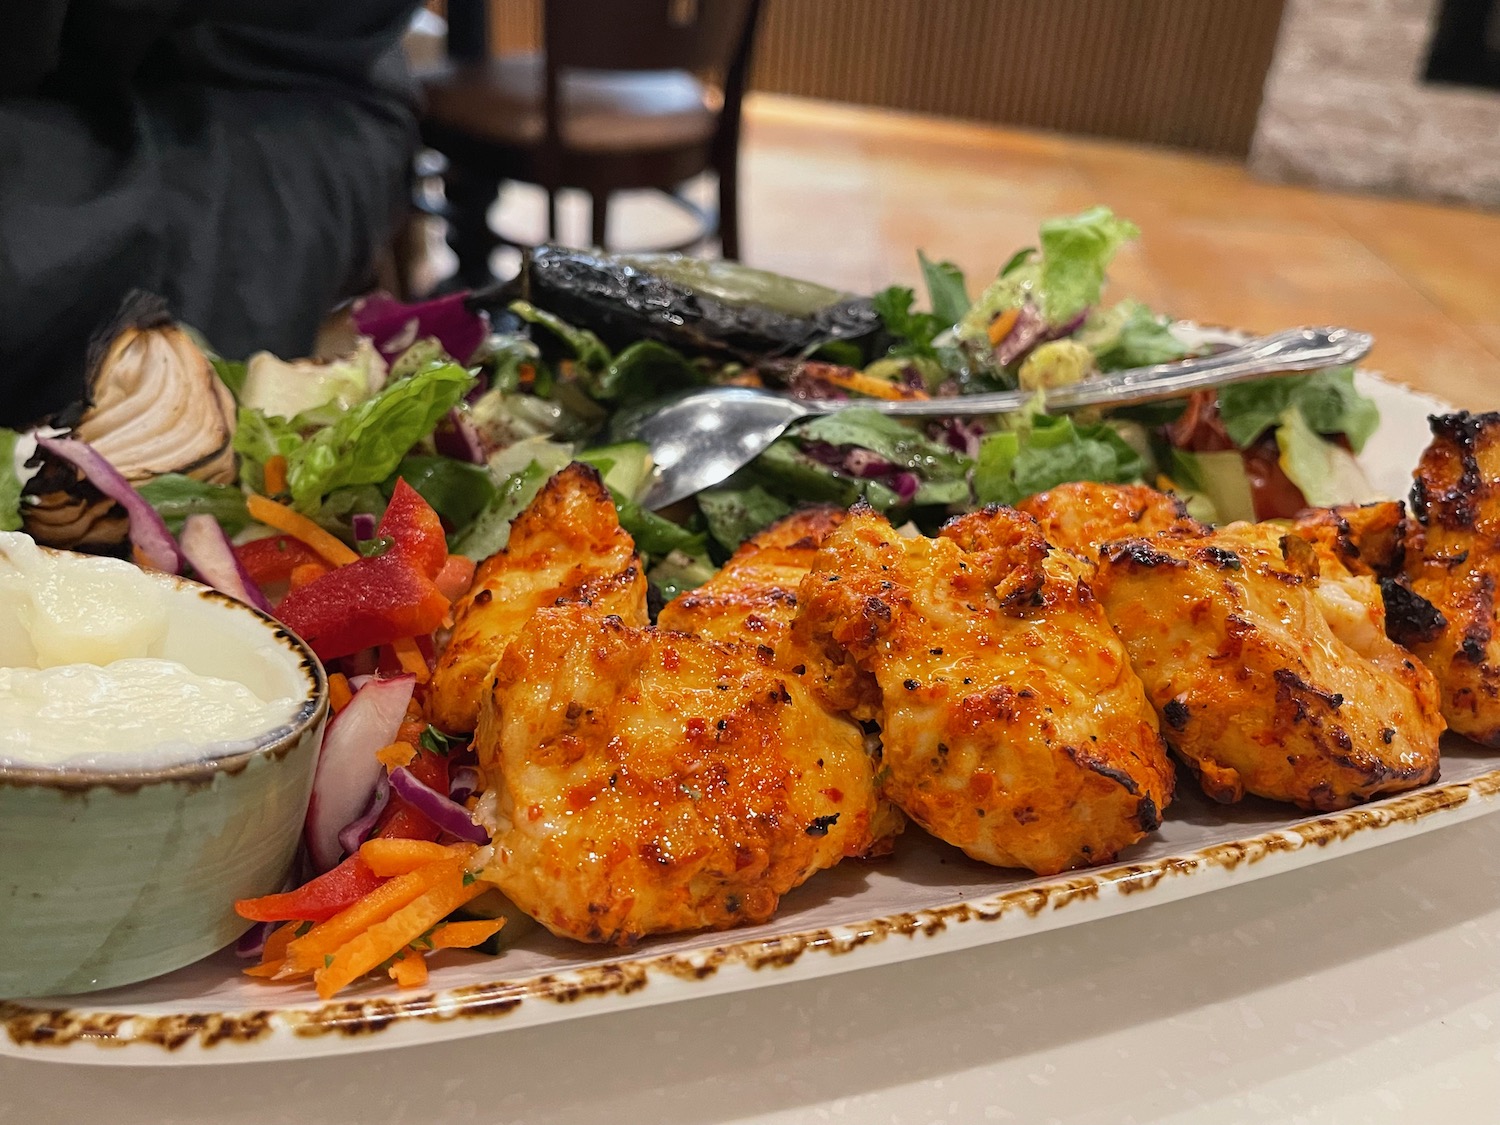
x,y
396,755
1000,327
307,952
275,475
385,939
409,970
339,691
398,857
867,385
277,941
307,572
298,526
526,375
412,728
461,935
268,969
411,658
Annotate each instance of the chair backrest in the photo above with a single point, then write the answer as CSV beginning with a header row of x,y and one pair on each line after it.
x,y
697,35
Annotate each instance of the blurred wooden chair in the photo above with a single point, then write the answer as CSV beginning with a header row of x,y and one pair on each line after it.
x,y
624,95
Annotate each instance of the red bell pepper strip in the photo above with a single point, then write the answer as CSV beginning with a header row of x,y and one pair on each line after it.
x,y
369,602
316,900
272,560
415,530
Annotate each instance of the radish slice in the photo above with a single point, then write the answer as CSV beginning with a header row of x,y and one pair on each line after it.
x,y
448,815
353,834
148,531
348,770
211,555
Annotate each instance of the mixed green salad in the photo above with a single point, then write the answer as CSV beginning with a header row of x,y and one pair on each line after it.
x,y
475,399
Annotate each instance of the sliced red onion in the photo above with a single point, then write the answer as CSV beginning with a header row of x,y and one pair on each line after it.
x,y
1067,328
357,682
447,814
348,770
906,485
463,784
963,436
148,531
863,463
253,941
395,326
825,453
1029,330
458,438
363,526
211,555
353,834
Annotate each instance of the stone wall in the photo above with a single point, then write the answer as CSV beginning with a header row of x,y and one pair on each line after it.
x,y
1345,106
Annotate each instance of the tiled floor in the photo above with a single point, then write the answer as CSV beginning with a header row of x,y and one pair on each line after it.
x,y
846,196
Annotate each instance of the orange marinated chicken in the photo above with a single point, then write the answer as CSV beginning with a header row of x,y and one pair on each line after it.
x,y
1367,539
1269,664
652,782
1080,516
1453,562
567,546
753,600
1012,725
753,597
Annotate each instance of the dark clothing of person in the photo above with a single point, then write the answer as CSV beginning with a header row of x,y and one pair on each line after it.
x,y
245,159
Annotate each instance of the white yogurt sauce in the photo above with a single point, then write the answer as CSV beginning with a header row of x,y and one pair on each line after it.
x,y
83,679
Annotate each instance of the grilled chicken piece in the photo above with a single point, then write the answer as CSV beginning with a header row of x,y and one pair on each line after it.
x,y
753,600
753,597
1082,515
1453,561
1269,664
567,546
1012,725
1367,539
653,782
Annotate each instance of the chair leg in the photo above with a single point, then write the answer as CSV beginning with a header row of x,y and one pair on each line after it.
x,y
598,219
469,198
729,207
551,214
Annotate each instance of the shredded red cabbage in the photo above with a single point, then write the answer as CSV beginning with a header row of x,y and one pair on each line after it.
x,y
1029,330
906,485
363,525
444,812
395,326
253,941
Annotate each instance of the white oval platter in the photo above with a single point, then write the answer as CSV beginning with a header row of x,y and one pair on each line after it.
x,y
927,899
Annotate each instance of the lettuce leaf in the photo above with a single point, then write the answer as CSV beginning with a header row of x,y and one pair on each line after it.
x,y
362,447
10,482
1130,335
913,331
175,497
656,535
490,530
1063,280
892,439
1049,450
1326,473
457,490
947,293
1325,400
1076,250
735,514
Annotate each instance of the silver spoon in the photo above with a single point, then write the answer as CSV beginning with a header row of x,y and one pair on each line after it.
x,y
703,436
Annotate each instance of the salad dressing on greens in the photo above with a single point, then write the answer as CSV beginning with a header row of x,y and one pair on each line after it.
x,y
80,675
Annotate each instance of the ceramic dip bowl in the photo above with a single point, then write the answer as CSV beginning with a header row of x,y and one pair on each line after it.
x,y
118,868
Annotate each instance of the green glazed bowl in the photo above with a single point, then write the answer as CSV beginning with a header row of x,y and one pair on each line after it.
x,y
107,878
